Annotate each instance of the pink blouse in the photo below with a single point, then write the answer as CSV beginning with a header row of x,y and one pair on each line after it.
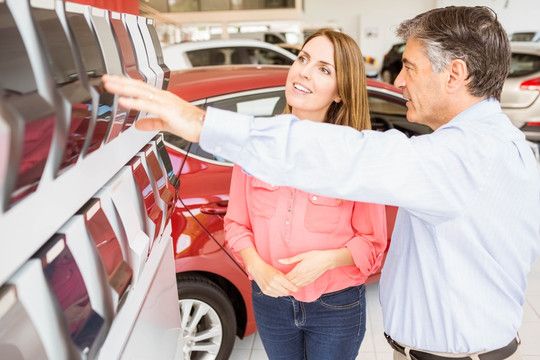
x,y
281,222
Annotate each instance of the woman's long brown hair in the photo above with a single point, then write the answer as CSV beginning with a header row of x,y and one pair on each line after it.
x,y
353,110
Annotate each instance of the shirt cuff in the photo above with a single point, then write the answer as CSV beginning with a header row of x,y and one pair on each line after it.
x,y
224,133
241,244
363,256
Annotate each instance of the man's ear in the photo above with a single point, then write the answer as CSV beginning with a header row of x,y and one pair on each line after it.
x,y
458,74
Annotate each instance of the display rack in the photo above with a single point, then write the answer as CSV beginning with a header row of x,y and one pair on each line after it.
x,y
27,225
45,235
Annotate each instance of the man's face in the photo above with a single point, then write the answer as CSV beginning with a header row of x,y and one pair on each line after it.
x,y
425,89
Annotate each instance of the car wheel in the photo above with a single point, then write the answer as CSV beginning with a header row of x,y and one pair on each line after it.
x,y
208,322
386,76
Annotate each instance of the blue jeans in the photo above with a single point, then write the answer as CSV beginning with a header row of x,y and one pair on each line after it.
x,y
331,327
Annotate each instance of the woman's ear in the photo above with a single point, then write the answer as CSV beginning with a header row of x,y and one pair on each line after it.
x,y
337,100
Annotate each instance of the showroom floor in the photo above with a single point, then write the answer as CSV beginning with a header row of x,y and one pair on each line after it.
x,y
375,347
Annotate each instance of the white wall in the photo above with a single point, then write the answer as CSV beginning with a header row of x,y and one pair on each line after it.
x,y
514,15
372,23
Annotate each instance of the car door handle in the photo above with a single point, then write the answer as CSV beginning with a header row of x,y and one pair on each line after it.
x,y
215,208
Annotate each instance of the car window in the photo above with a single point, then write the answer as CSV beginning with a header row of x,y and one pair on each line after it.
x,y
258,103
272,39
262,104
266,56
523,64
192,148
387,112
381,106
206,57
235,56
522,36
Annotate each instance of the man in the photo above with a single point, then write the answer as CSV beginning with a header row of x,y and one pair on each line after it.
x,y
467,230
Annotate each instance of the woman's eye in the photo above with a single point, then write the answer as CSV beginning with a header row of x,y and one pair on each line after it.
x,y
302,59
325,71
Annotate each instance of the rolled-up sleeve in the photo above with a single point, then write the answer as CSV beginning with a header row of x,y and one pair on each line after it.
x,y
369,243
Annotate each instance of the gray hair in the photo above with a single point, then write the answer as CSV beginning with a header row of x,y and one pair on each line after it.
x,y
472,34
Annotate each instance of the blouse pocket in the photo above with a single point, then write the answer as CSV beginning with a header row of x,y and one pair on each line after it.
x,y
264,198
322,213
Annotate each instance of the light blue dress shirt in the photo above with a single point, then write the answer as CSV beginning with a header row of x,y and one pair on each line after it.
x,y
468,225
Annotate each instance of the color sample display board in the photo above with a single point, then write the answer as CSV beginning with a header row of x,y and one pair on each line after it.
x,y
30,130
85,198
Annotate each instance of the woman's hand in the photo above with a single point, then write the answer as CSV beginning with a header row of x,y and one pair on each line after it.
x,y
172,114
271,281
312,264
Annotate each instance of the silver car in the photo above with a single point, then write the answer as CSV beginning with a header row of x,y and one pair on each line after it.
x,y
526,36
520,98
225,52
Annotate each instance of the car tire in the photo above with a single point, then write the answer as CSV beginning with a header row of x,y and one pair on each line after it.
x,y
208,320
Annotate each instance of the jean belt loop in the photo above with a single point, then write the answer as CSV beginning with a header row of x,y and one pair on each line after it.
x,y
407,351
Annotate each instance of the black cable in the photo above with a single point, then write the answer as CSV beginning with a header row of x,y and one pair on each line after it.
x,y
197,220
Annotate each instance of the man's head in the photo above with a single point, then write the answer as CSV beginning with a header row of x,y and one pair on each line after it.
x,y
454,58
472,34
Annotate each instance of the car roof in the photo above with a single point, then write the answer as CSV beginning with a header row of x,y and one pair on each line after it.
x,y
290,46
202,82
528,47
219,43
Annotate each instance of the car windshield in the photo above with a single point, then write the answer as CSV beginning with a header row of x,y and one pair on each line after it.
x,y
523,64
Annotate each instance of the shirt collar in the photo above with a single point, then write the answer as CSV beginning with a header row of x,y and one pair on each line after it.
x,y
482,109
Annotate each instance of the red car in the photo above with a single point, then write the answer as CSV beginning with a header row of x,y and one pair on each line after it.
x,y
214,291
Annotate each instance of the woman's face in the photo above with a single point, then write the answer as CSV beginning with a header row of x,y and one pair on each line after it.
x,y
311,83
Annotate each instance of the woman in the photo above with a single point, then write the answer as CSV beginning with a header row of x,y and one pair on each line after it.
x,y
309,255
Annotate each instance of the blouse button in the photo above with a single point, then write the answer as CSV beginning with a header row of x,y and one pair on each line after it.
x,y
314,198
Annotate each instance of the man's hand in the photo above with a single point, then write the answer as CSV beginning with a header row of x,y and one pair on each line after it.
x,y
172,113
